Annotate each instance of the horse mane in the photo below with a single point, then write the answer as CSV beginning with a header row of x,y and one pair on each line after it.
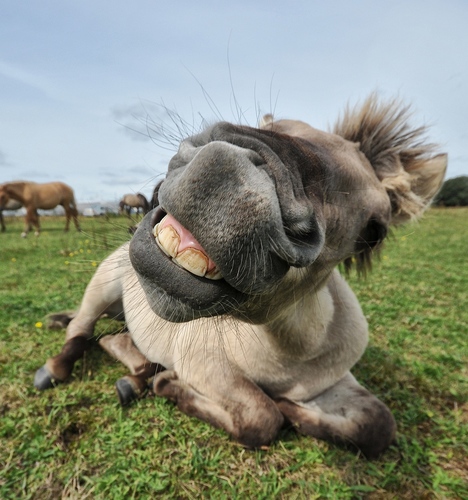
x,y
385,136
399,153
396,150
17,183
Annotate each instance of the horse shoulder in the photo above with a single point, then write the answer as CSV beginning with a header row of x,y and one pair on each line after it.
x,y
22,192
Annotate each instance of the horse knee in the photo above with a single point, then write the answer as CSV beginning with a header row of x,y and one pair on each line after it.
x,y
368,426
252,419
259,429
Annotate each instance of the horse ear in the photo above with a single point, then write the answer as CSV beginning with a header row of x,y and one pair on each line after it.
x,y
412,188
428,179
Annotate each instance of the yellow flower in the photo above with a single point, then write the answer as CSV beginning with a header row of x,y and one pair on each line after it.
x,y
13,259
94,263
66,262
38,324
71,254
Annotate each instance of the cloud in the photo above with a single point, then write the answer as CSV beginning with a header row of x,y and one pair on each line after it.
x,y
132,121
158,123
19,75
134,176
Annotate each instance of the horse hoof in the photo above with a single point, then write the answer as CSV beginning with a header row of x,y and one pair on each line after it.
x,y
44,379
127,390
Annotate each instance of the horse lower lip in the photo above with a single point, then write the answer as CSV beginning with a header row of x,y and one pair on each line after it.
x,y
160,275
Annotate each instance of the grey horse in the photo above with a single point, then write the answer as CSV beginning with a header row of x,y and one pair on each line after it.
x,y
231,283
137,201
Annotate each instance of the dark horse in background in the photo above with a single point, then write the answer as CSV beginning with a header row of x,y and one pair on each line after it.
x,y
7,204
137,201
44,196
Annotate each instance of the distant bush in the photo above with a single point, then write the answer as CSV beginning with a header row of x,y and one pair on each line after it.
x,y
454,193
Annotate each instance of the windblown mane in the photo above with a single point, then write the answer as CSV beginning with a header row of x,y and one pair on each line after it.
x,y
397,151
384,134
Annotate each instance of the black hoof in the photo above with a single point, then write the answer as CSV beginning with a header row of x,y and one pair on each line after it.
x,y
44,379
126,391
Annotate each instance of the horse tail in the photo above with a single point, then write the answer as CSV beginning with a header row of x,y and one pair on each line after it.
x,y
73,207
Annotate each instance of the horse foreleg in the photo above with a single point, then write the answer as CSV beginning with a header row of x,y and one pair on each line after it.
x,y
32,219
59,368
102,295
346,414
122,348
2,222
231,402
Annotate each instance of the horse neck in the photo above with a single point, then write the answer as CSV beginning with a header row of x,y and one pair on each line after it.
x,y
15,190
143,200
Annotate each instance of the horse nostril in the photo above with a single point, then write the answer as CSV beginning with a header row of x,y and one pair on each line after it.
x,y
302,243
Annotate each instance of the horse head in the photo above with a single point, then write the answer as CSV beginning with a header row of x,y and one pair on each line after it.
x,y
248,217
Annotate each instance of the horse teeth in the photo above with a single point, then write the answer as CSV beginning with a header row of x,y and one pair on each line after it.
x,y
214,274
156,230
193,260
167,239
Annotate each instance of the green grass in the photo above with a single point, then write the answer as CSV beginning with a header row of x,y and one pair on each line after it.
x,y
75,441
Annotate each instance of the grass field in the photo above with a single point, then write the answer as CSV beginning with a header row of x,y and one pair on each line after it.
x,y
75,441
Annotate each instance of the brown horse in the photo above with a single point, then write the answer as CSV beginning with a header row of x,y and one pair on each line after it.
x,y
137,201
7,204
45,196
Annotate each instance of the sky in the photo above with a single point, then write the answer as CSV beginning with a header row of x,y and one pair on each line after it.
x,y
97,93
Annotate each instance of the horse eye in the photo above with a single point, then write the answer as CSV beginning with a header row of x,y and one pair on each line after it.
x,y
371,236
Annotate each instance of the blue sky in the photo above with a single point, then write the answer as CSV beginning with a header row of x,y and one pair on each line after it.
x,y
80,79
